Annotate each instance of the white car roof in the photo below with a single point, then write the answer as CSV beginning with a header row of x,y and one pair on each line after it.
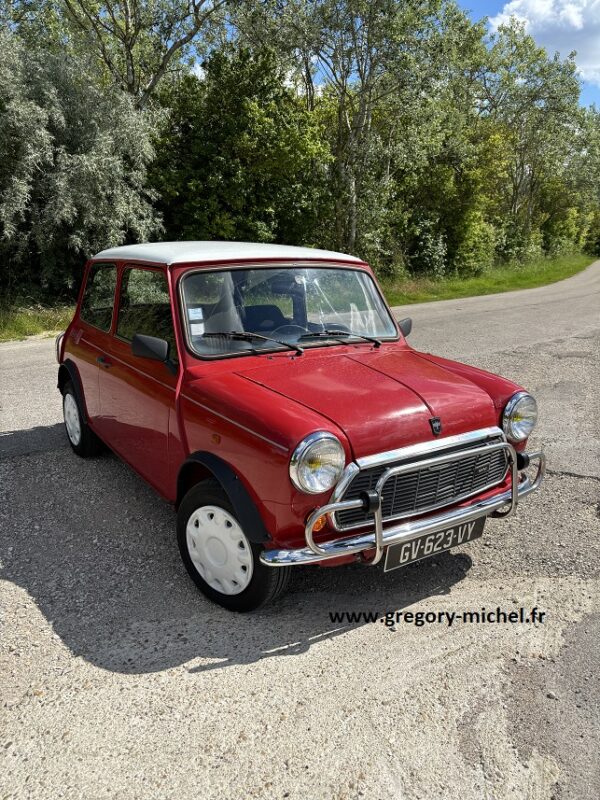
x,y
183,252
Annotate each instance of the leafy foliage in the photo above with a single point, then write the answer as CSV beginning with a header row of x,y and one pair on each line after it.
x,y
398,131
138,42
73,158
241,158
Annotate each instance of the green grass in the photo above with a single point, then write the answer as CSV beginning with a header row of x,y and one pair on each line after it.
x,y
21,320
501,279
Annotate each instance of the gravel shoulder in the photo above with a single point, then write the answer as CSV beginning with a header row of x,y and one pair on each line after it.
x,y
117,679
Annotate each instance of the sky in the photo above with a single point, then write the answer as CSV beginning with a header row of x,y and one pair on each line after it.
x,y
557,25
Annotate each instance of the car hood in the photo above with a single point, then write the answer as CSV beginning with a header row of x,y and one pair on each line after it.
x,y
381,399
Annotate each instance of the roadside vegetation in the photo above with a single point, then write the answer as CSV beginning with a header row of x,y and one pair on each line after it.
x,y
500,279
453,160
22,319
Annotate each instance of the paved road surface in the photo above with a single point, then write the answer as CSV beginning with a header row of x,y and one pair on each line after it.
x,y
118,680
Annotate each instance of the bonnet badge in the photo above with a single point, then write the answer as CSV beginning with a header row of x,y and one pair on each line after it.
x,y
436,425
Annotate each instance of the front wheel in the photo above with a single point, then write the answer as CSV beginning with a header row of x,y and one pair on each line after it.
x,y
221,560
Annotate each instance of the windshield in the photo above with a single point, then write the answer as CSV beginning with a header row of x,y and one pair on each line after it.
x,y
282,306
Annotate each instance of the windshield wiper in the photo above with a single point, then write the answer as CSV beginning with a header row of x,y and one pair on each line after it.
x,y
340,336
248,336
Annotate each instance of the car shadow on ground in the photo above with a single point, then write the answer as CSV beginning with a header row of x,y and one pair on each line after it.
x,y
95,548
33,440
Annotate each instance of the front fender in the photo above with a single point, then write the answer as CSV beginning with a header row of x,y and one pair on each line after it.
x,y
243,505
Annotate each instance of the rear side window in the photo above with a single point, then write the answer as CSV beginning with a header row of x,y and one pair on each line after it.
x,y
99,296
145,307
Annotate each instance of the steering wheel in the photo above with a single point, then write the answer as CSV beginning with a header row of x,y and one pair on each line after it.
x,y
290,329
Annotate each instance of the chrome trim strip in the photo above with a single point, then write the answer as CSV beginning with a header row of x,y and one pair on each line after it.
x,y
411,451
237,424
408,530
427,447
57,344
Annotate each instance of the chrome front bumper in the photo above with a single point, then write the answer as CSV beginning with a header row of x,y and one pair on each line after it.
x,y
379,539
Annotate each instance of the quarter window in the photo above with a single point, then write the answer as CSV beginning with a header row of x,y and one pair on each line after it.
x,y
99,296
145,307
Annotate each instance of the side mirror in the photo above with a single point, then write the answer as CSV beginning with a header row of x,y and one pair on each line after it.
x,y
151,347
405,326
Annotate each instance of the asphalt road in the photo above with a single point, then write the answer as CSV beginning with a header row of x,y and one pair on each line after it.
x,y
118,680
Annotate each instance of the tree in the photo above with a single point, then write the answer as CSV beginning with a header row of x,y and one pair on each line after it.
x,y
73,159
533,101
241,158
139,41
368,68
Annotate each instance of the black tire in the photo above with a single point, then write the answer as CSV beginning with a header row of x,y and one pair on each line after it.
x,y
266,583
87,443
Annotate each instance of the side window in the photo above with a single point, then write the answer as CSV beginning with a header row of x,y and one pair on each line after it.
x,y
145,307
99,296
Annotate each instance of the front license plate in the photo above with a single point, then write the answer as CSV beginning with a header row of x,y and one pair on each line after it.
x,y
399,555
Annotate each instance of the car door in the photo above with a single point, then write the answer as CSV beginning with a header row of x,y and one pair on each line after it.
x,y
137,395
90,336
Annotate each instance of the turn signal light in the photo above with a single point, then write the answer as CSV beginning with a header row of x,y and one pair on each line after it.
x,y
320,524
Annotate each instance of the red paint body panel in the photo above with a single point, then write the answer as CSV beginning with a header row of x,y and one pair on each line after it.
x,y
84,344
499,389
252,411
136,402
382,399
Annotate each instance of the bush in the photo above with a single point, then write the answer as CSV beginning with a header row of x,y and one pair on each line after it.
x,y
429,254
518,244
476,251
566,233
591,243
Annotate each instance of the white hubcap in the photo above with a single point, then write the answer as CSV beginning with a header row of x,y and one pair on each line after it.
x,y
72,421
219,550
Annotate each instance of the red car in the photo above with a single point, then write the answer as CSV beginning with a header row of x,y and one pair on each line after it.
x,y
270,395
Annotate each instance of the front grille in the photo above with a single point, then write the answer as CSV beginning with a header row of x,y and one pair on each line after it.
x,y
425,488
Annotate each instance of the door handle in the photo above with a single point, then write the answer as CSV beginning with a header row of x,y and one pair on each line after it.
x,y
104,361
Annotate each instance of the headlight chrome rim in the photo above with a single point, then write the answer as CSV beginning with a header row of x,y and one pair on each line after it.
x,y
300,453
508,422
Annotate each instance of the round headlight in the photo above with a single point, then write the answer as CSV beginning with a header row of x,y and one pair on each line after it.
x,y
317,463
519,417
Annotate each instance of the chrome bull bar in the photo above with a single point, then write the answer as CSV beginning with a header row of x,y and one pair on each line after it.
x,y
500,505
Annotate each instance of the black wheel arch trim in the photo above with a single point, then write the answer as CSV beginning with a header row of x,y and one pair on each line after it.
x,y
244,507
76,381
